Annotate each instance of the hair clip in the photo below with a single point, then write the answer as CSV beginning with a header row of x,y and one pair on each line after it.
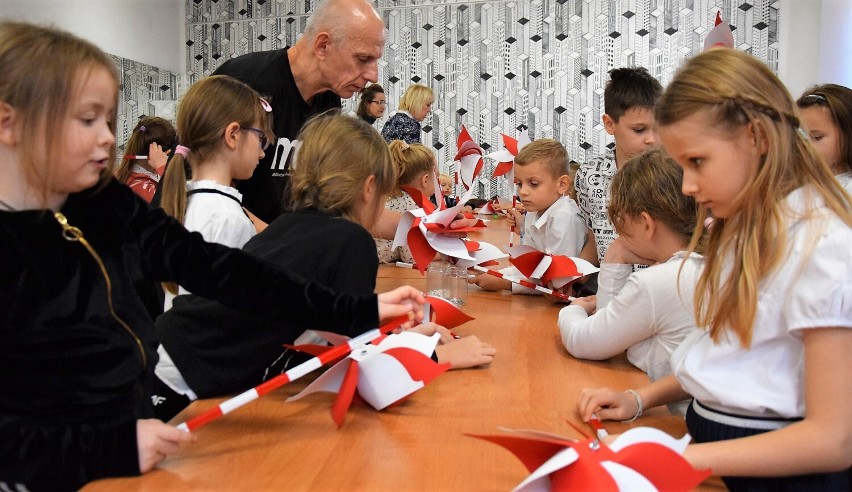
x,y
818,97
184,151
143,129
265,105
803,133
405,146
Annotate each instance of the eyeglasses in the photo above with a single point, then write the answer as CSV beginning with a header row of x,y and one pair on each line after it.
x,y
380,103
264,142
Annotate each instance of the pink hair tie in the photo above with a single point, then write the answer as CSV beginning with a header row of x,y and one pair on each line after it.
x,y
143,129
184,151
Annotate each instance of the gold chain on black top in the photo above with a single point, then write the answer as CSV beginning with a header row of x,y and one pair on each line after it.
x,y
73,234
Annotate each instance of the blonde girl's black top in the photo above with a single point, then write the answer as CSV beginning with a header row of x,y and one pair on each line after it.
x,y
220,350
73,378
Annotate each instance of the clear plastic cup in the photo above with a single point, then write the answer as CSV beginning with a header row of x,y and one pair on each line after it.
x,y
457,285
436,280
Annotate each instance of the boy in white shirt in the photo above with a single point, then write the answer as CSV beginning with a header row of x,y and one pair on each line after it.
x,y
553,224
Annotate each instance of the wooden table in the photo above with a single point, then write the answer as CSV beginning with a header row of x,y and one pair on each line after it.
x,y
419,445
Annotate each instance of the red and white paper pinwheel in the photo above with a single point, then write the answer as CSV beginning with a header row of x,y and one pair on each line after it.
x,y
720,35
641,459
555,270
444,312
470,158
482,253
505,157
382,374
424,231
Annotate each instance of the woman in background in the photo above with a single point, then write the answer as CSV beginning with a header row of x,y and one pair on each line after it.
x,y
404,125
372,104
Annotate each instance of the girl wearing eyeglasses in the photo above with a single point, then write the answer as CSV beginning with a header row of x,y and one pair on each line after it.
x,y
372,104
223,128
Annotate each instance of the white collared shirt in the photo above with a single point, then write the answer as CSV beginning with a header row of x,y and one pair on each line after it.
x,y
812,288
559,230
650,314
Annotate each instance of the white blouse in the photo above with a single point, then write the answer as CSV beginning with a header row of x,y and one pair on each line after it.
x,y
218,216
811,289
649,315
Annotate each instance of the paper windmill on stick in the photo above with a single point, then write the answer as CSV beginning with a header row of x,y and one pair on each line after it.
x,y
387,371
720,35
505,157
555,270
505,165
470,158
425,233
641,459
382,374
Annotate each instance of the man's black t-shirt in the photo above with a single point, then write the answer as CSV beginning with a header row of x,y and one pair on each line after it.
x,y
268,72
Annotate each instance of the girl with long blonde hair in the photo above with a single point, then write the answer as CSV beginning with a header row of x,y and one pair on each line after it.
x,y
770,373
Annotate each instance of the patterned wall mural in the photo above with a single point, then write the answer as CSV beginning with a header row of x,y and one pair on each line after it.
x,y
145,91
501,65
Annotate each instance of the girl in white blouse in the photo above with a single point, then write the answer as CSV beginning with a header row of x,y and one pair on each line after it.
x,y
223,129
770,371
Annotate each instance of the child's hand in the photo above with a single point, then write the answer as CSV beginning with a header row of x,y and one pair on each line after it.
x,y
430,328
589,303
459,223
465,352
155,440
515,219
607,403
401,301
495,204
520,206
156,157
490,282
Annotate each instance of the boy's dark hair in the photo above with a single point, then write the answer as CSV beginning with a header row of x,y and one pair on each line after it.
x,y
630,87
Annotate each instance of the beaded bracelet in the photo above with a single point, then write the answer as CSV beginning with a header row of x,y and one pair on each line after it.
x,y
638,402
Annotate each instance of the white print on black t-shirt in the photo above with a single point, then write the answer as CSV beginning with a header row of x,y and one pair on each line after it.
x,y
284,158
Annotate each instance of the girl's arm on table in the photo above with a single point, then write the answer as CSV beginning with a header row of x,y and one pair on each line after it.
x,y
610,404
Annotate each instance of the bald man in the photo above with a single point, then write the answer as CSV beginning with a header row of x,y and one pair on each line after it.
x,y
336,57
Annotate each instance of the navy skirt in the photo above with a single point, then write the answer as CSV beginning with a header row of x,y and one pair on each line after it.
x,y
705,430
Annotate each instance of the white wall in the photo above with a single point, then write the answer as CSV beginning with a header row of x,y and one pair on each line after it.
x,y
815,43
148,31
835,46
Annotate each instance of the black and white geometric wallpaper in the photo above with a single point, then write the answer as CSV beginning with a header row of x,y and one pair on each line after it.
x,y
501,65
145,90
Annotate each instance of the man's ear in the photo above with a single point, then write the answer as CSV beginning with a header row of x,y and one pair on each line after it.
x,y
608,123
230,136
321,45
8,124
